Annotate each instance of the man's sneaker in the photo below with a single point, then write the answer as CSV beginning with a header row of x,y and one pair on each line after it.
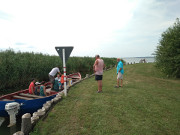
x,y
99,91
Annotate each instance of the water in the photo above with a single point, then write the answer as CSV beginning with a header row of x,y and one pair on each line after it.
x,y
137,59
4,130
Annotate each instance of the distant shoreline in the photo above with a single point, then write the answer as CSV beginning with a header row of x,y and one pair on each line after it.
x,y
137,59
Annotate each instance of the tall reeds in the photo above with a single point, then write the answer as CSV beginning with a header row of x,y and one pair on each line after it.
x,y
18,68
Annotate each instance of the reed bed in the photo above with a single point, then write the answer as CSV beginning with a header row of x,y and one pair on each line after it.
x,y
18,68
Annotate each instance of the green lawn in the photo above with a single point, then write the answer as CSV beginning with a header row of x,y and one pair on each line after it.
x,y
148,104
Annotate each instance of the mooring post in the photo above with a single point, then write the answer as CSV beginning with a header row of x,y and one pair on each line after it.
x,y
87,75
26,123
19,133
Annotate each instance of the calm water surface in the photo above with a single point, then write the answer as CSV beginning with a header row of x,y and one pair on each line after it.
x,y
137,59
4,130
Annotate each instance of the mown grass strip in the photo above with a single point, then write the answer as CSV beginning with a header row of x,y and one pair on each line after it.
x,y
147,104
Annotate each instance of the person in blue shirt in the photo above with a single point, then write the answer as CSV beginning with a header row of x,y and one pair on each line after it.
x,y
120,72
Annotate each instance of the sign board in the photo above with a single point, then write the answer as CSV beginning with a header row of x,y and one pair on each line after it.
x,y
68,50
64,53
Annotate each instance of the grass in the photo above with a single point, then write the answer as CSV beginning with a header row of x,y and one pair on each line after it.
x,y
148,104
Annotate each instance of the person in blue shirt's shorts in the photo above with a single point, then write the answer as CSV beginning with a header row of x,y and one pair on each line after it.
x,y
120,72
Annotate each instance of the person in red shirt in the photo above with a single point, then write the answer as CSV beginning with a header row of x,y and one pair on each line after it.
x,y
32,87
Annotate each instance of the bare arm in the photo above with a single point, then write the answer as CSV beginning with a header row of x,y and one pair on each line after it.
x,y
59,73
96,63
44,90
32,90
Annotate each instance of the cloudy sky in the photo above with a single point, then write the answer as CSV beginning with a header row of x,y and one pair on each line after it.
x,y
111,28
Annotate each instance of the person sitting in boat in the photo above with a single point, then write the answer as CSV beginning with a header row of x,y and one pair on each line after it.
x,y
57,83
43,89
37,88
62,82
32,87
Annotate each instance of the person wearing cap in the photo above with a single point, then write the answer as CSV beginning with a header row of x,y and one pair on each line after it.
x,y
120,72
98,69
52,74
37,88
32,87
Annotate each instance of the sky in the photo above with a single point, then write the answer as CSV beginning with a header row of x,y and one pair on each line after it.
x,y
110,28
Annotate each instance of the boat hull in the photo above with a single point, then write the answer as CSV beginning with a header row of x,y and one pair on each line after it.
x,y
26,106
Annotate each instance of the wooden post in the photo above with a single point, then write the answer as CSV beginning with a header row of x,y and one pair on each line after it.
x,y
26,123
87,75
19,133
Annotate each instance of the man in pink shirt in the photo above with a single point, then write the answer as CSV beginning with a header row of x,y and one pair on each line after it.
x,y
98,69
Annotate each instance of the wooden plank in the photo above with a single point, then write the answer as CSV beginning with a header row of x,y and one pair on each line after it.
x,y
5,99
20,97
29,95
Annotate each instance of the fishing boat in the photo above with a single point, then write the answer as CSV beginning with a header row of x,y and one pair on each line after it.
x,y
31,103
74,77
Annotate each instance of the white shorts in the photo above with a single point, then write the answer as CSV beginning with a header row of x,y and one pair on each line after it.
x,y
120,75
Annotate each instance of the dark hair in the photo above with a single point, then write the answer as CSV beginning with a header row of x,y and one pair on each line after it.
x,y
32,79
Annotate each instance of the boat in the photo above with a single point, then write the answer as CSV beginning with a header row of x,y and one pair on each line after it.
x,y
28,103
73,77
31,103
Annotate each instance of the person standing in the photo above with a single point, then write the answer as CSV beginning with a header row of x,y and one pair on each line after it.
x,y
98,69
120,72
52,74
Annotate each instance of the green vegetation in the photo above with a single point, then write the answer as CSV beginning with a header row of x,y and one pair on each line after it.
x,y
17,69
148,104
168,51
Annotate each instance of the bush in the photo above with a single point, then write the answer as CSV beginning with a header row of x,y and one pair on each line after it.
x,y
168,51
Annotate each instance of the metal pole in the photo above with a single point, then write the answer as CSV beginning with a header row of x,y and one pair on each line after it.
x,y
64,67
